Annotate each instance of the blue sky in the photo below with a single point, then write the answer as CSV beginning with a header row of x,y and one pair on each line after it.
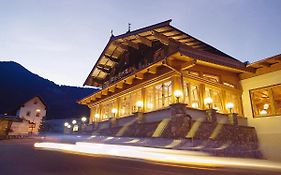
x,y
61,39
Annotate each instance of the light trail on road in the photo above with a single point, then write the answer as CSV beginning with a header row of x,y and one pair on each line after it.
x,y
159,155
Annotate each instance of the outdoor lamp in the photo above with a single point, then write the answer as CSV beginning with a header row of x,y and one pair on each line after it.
x,y
66,124
74,122
265,106
38,110
229,106
114,111
178,94
208,101
139,105
97,116
194,105
263,112
83,119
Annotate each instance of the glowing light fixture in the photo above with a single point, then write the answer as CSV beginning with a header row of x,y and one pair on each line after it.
x,y
66,124
265,106
139,105
83,119
178,94
97,116
229,106
38,110
74,122
114,111
208,101
263,112
195,105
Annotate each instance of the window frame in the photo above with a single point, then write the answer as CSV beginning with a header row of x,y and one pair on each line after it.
x,y
272,102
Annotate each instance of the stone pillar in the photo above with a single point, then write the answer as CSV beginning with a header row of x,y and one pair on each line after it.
x,y
139,116
113,122
180,121
211,115
233,120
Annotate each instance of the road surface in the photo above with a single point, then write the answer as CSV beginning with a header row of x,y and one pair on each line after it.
x,y
19,157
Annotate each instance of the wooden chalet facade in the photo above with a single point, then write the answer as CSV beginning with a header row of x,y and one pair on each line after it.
x,y
151,68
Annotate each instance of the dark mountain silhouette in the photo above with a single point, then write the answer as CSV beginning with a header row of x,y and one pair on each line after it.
x,y
18,84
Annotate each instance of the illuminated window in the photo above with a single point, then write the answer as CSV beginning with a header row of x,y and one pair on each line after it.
x,y
149,99
277,98
194,96
186,88
212,78
266,101
106,110
216,95
158,96
125,105
231,97
167,93
135,96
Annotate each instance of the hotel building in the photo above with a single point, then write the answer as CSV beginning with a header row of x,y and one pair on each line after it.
x,y
149,69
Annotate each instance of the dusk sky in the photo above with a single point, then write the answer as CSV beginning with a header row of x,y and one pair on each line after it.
x,y
61,39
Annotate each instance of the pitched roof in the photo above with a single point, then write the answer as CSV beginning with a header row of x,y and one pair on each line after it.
x,y
162,32
13,110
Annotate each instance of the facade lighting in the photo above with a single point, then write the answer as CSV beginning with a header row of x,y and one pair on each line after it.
x,y
74,122
178,94
194,105
139,105
229,106
265,106
83,119
66,124
114,111
208,101
263,112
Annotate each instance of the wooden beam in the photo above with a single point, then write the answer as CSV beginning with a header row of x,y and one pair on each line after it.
x,y
98,95
115,60
131,44
139,76
144,40
104,69
119,85
188,64
266,64
152,70
162,38
120,45
128,81
104,92
112,89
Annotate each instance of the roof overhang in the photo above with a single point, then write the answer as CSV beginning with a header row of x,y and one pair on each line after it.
x,y
163,32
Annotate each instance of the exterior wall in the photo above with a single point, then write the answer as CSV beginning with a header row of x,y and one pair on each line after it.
x,y
33,110
19,128
268,128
